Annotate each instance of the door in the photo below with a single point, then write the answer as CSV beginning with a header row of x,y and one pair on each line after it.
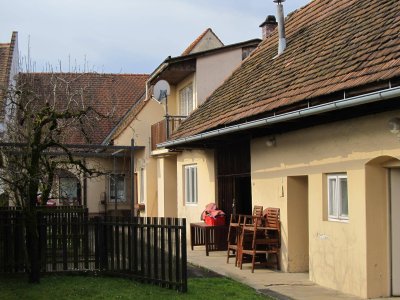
x,y
395,229
233,175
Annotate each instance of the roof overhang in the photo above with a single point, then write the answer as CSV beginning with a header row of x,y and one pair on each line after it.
x,y
175,69
322,109
79,150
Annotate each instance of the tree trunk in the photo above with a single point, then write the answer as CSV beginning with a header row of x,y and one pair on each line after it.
x,y
32,245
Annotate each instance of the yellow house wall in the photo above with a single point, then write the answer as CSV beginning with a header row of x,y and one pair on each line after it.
x,y
378,264
342,255
140,130
204,159
167,191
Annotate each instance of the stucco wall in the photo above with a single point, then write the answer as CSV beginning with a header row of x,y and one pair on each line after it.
x,y
167,186
140,130
204,159
339,255
213,70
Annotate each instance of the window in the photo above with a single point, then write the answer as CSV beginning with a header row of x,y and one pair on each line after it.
x,y
68,188
186,100
117,187
191,184
141,185
338,208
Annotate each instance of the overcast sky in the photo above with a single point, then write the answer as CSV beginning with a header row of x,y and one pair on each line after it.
x,y
126,36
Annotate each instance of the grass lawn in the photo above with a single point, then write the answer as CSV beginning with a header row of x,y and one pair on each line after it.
x,y
86,287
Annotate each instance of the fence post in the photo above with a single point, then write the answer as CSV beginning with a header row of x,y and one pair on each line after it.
x,y
86,238
103,244
75,240
184,257
42,226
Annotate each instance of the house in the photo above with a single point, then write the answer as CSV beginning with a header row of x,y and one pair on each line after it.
x,y
9,57
313,130
191,77
109,97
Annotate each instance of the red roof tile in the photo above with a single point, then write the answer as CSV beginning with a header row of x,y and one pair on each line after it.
x,y
107,94
6,56
332,45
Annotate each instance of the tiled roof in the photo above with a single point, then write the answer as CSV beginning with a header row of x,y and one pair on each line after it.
x,y
189,49
4,58
332,45
108,94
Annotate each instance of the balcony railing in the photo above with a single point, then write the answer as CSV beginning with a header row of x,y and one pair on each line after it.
x,y
161,131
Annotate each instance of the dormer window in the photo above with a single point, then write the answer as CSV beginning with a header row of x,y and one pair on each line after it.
x,y
186,101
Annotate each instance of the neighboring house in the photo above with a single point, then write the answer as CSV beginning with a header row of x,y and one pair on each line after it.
x,y
313,131
202,67
110,96
9,67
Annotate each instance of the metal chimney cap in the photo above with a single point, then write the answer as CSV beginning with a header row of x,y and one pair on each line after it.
x,y
269,20
279,1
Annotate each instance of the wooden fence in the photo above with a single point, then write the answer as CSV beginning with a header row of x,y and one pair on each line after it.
x,y
150,250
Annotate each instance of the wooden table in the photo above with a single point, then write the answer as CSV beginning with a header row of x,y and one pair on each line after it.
x,y
213,237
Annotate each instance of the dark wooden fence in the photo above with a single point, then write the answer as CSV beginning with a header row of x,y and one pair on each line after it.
x,y
150,250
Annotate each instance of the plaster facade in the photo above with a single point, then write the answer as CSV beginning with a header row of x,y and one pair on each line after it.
x,y
351,256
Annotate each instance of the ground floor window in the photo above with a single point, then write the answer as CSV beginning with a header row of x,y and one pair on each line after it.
x,y
117,188
190,181
338,208
68,188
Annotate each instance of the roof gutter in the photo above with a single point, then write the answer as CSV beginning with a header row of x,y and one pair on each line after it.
x,y
297,114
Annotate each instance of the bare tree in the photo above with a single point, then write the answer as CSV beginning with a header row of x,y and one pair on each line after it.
x,y
45,113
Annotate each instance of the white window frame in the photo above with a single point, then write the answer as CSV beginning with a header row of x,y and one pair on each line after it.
x,y
186,100
112,198
335,197
190,184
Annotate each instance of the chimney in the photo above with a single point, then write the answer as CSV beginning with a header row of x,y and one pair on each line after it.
x,y
281,26
268,26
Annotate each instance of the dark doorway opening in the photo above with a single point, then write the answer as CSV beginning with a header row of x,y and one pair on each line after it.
x,y
234,180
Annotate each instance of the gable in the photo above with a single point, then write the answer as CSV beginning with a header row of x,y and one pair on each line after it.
x,y
206,41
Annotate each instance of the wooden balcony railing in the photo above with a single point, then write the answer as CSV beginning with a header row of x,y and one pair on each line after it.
x,y
161,131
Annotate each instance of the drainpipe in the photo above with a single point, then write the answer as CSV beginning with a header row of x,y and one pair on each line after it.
x,y
281,26
383,95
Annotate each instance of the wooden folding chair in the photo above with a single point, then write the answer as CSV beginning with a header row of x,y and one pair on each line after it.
x,y
265,239
235,230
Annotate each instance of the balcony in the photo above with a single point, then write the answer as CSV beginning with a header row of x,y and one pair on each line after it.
x,y
161,131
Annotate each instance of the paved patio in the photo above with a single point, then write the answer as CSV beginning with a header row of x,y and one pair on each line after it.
x,y
277,284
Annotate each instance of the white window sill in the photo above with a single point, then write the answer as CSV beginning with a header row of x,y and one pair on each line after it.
x,y
338,220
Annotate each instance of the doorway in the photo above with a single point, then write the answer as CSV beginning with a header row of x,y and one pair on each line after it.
x,y
234,180
395,229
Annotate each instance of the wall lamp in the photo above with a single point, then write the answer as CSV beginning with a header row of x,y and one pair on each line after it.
x,y
271,142
394,126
